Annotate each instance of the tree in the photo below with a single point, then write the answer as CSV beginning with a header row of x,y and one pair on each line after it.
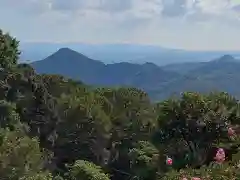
x,y
144,159
84,131
133,120
192,127
9,118
84,170
9,52
19,155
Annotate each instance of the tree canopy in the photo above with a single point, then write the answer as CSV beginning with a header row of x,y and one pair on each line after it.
x,y
55,128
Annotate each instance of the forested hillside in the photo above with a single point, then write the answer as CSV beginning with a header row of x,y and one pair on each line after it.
x,y
54,128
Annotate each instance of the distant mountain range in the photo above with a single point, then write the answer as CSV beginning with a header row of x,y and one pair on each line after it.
x,y
221,74
72,64
115,53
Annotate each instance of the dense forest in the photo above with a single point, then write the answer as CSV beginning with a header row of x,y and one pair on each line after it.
x,y
54,128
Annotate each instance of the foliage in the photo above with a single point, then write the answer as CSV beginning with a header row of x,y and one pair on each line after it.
x,y
214,172
8,50
144,160
9,118
190,128
38,176
19,155
57,128
84,170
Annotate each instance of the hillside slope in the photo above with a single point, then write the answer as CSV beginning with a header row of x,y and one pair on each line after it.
x,y
221,74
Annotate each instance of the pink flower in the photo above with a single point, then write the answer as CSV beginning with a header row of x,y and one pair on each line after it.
x,y
195,178
169,161
220,155
184,178
231,132
221,151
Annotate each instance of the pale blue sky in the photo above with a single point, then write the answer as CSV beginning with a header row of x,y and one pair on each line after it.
x,y
188,24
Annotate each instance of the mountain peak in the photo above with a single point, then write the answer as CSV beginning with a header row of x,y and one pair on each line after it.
x,y
66,50
150,64
226,57
67,54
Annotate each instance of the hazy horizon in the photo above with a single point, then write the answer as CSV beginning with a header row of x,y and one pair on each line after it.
x,y
178,24
65,45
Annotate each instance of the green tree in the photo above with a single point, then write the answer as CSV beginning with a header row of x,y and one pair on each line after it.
x,y
191,127
84,131
144,159
9,52
9,118
84,170
19,155
133,119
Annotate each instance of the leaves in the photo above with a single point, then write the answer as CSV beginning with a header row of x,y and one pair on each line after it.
x,y
8,51
57,128
19,155
84,170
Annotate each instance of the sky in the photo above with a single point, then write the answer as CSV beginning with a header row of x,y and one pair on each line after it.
x,y
185,24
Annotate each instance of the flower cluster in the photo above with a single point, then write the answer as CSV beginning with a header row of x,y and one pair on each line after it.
x,y
231,132
169,161
220,155
193,178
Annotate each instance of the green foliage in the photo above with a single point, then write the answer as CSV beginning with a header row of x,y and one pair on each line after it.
x,y
191,127
38,176
8,51
144,160
84,170
48,121
19,155
9,118
215,172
